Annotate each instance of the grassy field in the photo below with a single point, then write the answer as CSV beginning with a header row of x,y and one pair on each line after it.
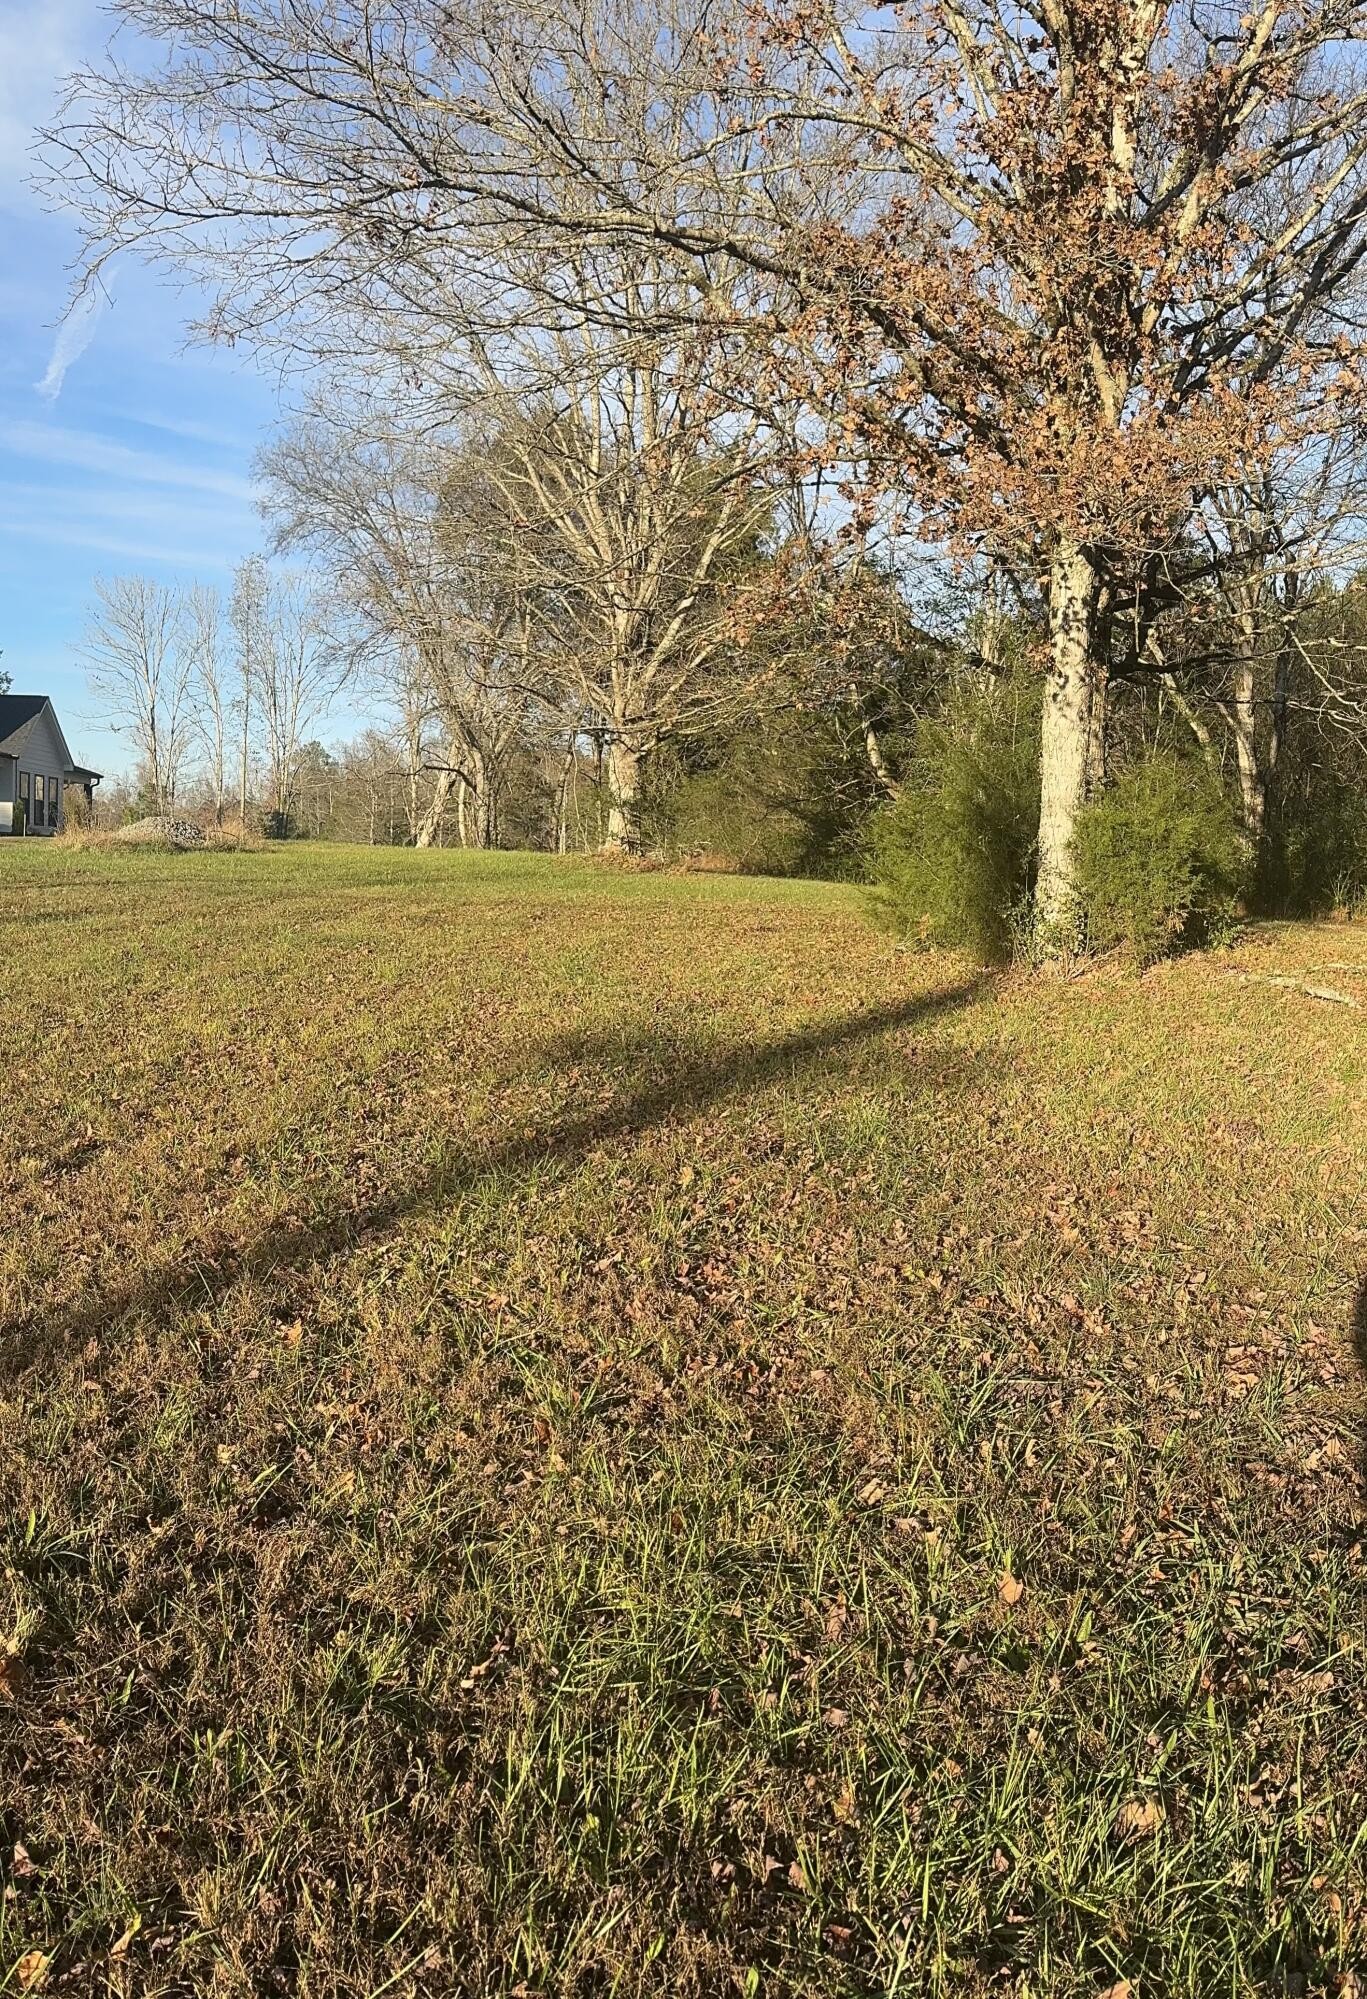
x,y
567,1432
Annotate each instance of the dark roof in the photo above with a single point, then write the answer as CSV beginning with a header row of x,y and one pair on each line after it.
x,y
16,712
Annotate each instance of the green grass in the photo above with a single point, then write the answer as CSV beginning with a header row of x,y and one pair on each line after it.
x,y
567,1432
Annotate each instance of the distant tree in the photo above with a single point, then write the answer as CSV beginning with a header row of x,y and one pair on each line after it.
x,y
370,799
209,667
141,673
630,514
409,529
299,664
316,787
247,619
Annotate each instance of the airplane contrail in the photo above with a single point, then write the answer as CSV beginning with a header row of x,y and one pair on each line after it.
x,y
74,335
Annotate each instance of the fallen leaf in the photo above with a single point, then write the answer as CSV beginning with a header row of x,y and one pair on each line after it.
x,y
31,1968
11,1676
1122,1989
1010,1589
20,1865
1138,1818
121,1947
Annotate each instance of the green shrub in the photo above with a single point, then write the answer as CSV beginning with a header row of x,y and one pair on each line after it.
x,y
1160,861
1315,855
717,812
952,858
788,797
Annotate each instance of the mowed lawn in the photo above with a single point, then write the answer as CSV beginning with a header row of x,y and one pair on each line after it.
x,y
571,1432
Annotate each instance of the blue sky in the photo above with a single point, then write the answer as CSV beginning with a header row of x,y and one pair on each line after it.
x,y
120,447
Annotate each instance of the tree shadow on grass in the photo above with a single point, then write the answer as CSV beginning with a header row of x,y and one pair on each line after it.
x,y
1359,1336
679,1085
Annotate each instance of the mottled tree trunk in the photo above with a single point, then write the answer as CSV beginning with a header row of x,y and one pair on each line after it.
x,y
432,818
476,801
873,749
486,813
625,768
1243,715
1070,732
560,833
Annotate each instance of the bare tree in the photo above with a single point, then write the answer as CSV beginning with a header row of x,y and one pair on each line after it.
x,y
631,507
247,616
140,670
204,641
585,364
299,665
409,529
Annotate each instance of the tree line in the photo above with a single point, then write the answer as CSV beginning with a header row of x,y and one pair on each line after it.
x,y
217,698
656,342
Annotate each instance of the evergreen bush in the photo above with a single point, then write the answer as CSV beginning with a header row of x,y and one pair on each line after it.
x,y
1315,858
787,798
1160,860
952,858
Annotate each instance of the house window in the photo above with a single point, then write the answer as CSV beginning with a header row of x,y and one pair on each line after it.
x,y
39,799
54,802
24,798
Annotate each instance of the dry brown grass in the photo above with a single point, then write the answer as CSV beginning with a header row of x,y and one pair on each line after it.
x,y
232,836
75,837
573,1433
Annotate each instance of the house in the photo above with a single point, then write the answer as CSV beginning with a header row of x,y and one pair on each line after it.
x,y
36,767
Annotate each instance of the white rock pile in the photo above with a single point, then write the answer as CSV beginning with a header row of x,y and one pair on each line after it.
x,y
160,831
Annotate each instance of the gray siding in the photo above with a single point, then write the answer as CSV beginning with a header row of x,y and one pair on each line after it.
x,y
42,756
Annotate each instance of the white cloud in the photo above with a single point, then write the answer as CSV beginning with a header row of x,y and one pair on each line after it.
x,y
50,444
41,41
74,335
166,526
149,548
